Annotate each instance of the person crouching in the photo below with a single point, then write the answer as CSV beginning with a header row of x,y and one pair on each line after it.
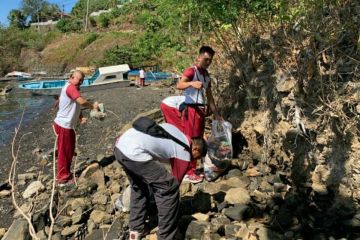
x,y
138,153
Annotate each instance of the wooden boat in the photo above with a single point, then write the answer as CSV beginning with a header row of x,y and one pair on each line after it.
x,y
21,76
103,78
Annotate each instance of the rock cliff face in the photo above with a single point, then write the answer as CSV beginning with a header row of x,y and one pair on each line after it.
x,y
297,107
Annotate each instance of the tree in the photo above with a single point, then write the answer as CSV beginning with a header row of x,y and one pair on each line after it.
x,y
49,11
17,19
32,8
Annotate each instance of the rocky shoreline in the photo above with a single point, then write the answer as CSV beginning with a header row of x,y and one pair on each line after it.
x,y
96,138
253,199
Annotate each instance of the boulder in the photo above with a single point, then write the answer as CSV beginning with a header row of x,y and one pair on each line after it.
x,y
32,189
237,196
18,230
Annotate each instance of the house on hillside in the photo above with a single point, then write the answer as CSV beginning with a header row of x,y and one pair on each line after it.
x,y
45,25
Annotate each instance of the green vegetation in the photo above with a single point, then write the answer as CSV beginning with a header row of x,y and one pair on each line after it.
x,y
168,32
69,25
89,39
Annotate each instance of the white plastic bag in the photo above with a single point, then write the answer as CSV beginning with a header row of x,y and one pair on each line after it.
x,y
213,168
219,143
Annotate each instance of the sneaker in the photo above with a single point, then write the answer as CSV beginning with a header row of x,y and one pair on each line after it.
x,y
193,178
135,235
67,183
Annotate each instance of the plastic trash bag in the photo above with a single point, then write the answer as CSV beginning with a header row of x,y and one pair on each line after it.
x,y
220,151
219,142
123,202
213,168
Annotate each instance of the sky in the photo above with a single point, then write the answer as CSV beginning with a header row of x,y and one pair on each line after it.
x,y
7,5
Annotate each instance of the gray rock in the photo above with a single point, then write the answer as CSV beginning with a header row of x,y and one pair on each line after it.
x,y
5,193
197,229
115,187
63,221
238,212
79,202
219,222
100,217
77,216
18,230
26,176
201,217
211,236
41,235
96,234
222,205
2,232
286,85
67,231
231,230
90,226
237,195
234,173
113,233
33,188
100,197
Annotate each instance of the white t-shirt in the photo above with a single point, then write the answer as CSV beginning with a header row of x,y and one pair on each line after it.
x,y
174,101
141,147
69,109
142,73
193,95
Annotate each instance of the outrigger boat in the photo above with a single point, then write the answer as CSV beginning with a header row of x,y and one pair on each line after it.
x,y
103,78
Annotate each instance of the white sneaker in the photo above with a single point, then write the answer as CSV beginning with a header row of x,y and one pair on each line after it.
x,y
134,235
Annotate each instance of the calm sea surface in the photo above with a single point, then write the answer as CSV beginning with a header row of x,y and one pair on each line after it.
x,y
12,106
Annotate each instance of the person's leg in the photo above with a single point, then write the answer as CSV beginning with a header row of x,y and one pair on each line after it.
x,y
165,189
66,149
172,116
139,193
194,124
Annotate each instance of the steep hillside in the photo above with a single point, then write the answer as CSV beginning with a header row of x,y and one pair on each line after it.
x,y
73,50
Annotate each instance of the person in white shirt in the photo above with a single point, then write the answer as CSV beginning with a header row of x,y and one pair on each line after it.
x,y
170,108
142,77
139,154
67,117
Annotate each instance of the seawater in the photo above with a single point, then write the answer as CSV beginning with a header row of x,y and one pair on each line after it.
x,y
12,106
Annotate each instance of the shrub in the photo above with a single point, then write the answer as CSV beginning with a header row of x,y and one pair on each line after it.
x,y
103,20
89,39
69,25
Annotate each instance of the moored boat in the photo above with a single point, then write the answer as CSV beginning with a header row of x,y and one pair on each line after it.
x,y
103,78
21,76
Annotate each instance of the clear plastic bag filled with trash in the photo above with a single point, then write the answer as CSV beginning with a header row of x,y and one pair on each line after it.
x,y
213,168
219,142
217,159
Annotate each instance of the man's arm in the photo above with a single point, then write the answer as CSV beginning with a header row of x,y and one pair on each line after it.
x,y
185,83
211,103
83,102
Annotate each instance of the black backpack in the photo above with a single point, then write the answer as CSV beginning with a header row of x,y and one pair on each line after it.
x,y
149,126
